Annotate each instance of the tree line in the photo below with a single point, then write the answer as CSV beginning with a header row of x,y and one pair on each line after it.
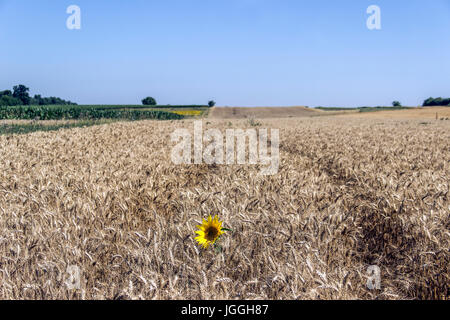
x,y
432,102
20,96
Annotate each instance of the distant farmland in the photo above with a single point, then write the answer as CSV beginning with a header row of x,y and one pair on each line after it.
x,y
26,119
70,112
261,112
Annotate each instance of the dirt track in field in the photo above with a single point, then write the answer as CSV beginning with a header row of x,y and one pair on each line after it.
x,y
261,112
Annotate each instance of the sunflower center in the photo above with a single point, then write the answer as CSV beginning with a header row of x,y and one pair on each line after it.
x,y
211,233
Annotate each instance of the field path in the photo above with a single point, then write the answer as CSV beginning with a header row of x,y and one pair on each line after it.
x,y
261,112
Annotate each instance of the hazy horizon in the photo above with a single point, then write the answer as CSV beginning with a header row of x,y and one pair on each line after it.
x,y
244,53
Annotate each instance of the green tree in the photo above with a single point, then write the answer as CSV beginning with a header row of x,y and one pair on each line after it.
x,y
6,93
396,104
428,102
21,93
38,100
211,103
149,101
9,101
431,102
438,101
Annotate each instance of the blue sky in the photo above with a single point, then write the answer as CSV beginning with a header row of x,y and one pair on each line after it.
x,y
237,52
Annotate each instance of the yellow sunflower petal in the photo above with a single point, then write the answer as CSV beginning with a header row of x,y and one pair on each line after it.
x,y
209,231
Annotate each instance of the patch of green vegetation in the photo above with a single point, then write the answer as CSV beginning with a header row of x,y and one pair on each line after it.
x,y
147,107
8,129
253,122
335,109
83,113
187,112
373,109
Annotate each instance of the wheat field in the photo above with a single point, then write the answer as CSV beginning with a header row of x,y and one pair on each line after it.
x,y
350,193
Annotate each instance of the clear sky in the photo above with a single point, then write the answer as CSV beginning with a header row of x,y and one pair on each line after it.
x,y
237,52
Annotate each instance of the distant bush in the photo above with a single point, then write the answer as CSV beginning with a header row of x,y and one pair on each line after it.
x,y
42,101
149,101
6,93
7,100
432,102
211,103
396,104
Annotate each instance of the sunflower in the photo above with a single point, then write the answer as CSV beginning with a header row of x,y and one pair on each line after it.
x,y
210,231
